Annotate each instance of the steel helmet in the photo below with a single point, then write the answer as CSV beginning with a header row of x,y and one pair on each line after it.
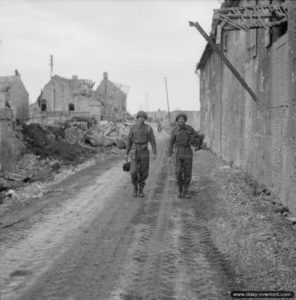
x,y
142,114
181,115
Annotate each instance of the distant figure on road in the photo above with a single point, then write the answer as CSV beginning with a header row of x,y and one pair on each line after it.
x,y
159,128
137,151
182,136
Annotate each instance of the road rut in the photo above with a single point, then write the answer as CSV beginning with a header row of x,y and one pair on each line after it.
x,y
101,243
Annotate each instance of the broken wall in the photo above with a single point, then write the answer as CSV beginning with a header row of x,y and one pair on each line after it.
x,y
14,94
18,99
114,101
11,147
61,93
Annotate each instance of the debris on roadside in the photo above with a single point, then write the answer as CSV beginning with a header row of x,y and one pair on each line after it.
x,y
49,149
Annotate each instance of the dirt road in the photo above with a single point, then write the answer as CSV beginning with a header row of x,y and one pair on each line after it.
x,y
89,239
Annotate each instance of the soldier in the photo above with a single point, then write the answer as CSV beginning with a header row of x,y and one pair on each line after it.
x,y
182,136
159,128
137,150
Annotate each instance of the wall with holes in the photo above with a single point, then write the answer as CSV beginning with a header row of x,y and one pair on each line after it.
x,y
258,137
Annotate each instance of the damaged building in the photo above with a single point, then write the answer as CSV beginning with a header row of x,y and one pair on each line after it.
x,y
63,98
113,98
14,104
253,128
14,95
66,97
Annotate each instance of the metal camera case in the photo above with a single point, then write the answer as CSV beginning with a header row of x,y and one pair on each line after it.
x,y
126,166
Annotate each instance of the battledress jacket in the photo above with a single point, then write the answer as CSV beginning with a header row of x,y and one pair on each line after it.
x,y
181,138
138,138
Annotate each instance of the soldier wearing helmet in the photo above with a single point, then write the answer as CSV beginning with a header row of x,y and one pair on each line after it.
x,y
137,151
182,136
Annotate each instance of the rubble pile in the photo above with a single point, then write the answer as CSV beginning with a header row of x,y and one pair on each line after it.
x,y
116,133
36,136
66,140
68,153
29,169
49,149
58,131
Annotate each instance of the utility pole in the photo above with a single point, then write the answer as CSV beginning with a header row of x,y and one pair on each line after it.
x,y
51,66
147,102
167,96
51,81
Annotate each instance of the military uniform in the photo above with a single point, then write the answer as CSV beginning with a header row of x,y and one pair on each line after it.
x,y
181,138
137,150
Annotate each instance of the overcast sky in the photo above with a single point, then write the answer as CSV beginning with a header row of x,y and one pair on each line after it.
x,y
137,42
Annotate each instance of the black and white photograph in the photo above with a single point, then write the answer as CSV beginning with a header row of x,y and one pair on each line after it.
x,y
147,149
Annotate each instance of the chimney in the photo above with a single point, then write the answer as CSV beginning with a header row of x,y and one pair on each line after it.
x,y
105,76
74,77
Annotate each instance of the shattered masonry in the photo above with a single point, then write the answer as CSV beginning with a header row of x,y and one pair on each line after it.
x,y
67,111
61,98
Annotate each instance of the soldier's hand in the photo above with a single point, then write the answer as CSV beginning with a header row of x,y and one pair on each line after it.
x,y
169,159
126,157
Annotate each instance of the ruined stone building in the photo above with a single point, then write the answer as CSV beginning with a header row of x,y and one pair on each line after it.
x,y
113,98
67,96
13,94
259,137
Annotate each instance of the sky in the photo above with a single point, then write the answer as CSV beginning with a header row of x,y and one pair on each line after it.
x,y
138,42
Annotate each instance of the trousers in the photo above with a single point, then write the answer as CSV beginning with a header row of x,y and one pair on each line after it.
x,y
139,170
184,170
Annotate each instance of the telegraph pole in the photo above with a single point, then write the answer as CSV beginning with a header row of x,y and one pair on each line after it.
x,y
147,102
167,96
51,65
51,81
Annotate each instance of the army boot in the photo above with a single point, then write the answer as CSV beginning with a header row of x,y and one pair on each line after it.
x,y
180,191
141,192
185,192
135,192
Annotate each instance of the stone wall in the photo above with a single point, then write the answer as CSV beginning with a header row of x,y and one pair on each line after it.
x,y
254,136
56,117
11,147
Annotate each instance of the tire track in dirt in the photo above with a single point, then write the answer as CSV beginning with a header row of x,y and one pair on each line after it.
x,y
157,247
171,256
32,256
88,268
146,253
